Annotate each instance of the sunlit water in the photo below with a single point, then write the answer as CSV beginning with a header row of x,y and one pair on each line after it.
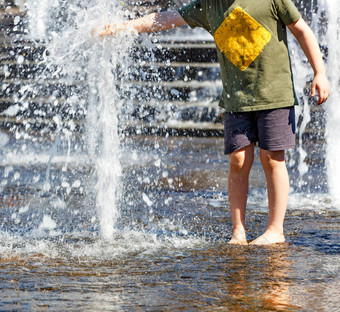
x,y
94,221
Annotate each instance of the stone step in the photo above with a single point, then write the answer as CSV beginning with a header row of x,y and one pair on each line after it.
x,y
153,73
313,139
141,91
190,128
29,52
12,16
152,113
8,3
176,52
11,10
166,52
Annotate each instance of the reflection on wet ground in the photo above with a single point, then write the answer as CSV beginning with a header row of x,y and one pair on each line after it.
x,y
169,249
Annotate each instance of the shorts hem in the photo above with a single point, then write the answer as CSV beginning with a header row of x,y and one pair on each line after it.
x,y
277,148
237,148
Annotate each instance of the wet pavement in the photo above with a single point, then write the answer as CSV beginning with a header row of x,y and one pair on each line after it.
x,y
169,250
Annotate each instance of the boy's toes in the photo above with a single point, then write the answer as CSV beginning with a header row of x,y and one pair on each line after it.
x,y
238,240
269,239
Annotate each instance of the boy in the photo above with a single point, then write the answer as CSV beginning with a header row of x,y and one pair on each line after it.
x,y
258,93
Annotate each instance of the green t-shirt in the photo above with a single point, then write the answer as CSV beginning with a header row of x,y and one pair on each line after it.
x,y
251,41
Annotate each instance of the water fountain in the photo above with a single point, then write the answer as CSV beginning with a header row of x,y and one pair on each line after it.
x,y
85,196
333,114
80,76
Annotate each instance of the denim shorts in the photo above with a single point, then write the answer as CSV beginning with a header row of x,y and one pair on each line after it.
x,y
273,129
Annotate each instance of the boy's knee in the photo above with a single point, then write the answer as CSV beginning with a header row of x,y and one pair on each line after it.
x,y
240,160
270,159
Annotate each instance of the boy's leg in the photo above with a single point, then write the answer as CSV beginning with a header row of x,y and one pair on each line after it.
x,y
276,134
274,166
240,163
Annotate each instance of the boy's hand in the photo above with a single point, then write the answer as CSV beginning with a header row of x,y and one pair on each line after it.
x,y
107,30
320,84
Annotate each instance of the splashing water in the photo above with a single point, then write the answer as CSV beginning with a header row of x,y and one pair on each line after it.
x,y
303,109
97,69
332,107
324,14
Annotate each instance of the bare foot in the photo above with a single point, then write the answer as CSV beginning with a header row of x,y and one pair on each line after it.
x,y
269,237
238,238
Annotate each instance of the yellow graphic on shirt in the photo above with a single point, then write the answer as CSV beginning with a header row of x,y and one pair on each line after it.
x,y
241,38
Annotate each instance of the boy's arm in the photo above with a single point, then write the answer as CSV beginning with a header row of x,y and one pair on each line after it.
x,y
149,23
310,46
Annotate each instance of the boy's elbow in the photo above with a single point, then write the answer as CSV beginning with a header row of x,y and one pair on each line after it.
x,y
299,28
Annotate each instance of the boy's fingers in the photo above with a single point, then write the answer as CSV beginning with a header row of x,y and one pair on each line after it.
x,y
108,30
320,85
323,96
313,89
102,31
320,92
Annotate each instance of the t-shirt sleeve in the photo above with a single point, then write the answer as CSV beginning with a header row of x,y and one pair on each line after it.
x,y
287,11
195,14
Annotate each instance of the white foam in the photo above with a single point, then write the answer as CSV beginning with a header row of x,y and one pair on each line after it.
x,y
47,223
80,247
14,159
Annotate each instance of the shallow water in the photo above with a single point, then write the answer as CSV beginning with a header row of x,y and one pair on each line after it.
x,y
169,250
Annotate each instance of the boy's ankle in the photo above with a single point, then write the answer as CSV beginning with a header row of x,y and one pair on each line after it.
x,y
239,230
275,229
